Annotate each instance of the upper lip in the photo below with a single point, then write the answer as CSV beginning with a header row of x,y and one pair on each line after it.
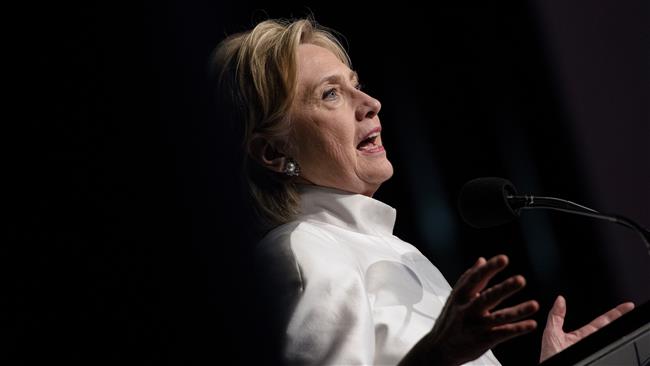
x,y
369,133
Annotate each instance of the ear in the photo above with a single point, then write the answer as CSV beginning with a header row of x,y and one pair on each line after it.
x,y
265,153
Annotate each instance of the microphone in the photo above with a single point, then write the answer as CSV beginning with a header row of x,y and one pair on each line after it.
x,y
491,201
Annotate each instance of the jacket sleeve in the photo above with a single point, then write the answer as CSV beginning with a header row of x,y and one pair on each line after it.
x,y
317,299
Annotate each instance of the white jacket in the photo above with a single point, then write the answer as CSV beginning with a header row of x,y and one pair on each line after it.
x,y
346,290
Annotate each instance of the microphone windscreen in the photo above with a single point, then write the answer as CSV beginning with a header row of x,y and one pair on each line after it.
x,y
483,202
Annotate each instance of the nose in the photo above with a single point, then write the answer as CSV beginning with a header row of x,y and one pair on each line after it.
x,y
368,107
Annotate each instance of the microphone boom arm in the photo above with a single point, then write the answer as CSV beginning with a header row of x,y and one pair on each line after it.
x,y
527,202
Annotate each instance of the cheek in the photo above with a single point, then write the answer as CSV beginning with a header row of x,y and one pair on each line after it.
x,y
338,144
328,148
324,146
325,139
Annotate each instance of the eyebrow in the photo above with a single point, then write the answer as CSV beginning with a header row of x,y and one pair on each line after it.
x,y
335,78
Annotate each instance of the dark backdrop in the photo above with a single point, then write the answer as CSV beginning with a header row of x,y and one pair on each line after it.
x,y
128,240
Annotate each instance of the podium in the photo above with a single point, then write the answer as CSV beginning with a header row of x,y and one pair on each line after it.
x,y
624,342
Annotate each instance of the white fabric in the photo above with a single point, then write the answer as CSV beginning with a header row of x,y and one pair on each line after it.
x,y
347,291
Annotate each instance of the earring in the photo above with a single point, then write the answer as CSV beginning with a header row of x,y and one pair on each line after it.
x,y
292,168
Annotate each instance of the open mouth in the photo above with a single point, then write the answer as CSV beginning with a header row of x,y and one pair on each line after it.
x,y
370,143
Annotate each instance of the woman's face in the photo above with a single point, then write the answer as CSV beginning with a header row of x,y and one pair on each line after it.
x,y
336,137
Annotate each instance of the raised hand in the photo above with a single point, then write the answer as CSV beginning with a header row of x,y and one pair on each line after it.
x,y
555,340
468,325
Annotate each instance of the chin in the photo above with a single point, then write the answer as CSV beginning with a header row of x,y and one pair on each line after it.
x,y
385,171
377,177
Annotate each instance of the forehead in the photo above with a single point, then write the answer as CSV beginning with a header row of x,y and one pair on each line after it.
x,y
315,62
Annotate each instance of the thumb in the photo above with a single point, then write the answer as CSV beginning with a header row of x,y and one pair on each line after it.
x,y
557,313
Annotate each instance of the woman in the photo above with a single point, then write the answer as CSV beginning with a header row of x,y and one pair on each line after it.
x,y
345,290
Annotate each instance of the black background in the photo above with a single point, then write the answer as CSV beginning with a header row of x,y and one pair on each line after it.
x,y
128,240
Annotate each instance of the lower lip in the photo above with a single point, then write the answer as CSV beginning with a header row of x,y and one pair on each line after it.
x,y
373,151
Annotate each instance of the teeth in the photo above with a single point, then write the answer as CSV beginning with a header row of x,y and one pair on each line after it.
x,y
369,140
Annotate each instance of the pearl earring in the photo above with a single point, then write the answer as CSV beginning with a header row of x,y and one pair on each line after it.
x,y
292,168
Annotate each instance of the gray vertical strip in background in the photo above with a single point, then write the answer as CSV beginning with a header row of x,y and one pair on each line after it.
x,y
600,55
541,244
435,221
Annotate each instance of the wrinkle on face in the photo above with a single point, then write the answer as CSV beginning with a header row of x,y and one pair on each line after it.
x,y
325,131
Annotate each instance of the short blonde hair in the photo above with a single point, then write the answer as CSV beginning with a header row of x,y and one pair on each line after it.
x,y
256,75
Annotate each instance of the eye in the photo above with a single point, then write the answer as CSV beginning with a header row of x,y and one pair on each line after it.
x,y
330,94
359,86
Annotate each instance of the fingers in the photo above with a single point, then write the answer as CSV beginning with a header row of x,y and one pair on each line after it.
x,y
512,314
493,296
463,278
476,278
605,319
625,307
504,332
557,313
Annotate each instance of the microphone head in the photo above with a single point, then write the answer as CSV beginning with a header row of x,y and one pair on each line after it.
x,y
483,202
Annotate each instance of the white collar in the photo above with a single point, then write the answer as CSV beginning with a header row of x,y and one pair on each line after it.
x,y
350,211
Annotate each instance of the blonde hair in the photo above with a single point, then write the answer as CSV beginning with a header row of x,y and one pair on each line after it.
x,y
256,78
